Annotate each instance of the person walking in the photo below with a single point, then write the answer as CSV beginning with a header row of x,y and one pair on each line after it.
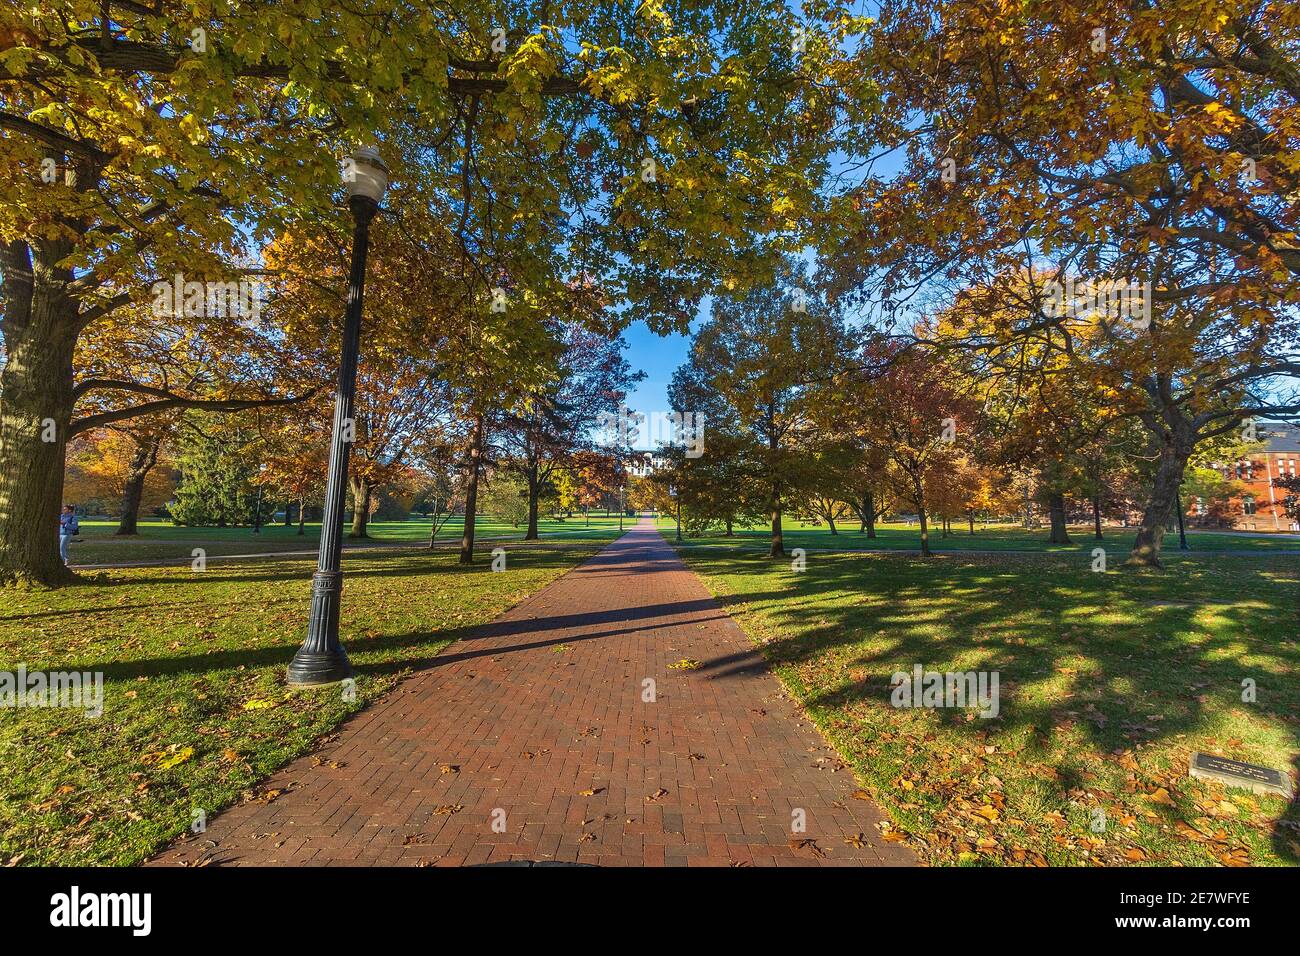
x,y
68,529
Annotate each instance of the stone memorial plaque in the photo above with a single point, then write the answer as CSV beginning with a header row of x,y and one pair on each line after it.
x,y
1234,773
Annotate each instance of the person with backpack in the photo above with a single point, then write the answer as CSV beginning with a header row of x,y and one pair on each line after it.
x,y
68,529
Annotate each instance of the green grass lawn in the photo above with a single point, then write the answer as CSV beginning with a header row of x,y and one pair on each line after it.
x,y
163,541
195,707
999,537
1108,682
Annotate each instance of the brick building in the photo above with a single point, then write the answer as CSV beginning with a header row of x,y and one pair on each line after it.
x,y
1262,505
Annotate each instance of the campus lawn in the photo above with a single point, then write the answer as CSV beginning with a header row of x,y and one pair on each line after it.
x,y
897,536
1108,682
163,541
195,707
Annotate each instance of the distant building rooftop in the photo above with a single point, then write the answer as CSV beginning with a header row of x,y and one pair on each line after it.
x,y
1279,437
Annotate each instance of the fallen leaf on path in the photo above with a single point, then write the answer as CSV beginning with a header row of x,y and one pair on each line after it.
x,y
809,845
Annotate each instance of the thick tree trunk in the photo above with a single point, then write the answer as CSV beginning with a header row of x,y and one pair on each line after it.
x,y
869,509
831,522
970,521
1096,516
35,410
288,513
143,459
361,492
534,496
1160,506
1056,511
730,533
471,492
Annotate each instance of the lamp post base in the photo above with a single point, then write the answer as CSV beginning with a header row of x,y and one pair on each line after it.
x,y
311,669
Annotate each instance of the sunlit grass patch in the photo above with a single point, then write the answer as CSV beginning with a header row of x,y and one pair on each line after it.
x,y
196,712
1104,697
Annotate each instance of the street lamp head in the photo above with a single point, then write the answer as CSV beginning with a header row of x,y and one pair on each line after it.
x,y
365,175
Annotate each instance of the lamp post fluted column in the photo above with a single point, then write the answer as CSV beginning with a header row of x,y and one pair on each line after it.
x,y
321,659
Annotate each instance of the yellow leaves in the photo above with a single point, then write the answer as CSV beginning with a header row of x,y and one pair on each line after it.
x,y
258,703
685,664
192,129
174,756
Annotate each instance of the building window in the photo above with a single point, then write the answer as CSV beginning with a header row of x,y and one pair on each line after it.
x,y
1248,504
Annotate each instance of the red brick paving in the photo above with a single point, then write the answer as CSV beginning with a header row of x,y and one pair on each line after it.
x,y
546,704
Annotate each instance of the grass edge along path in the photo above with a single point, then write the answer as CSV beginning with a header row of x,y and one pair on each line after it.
x,y
196,712
1109,683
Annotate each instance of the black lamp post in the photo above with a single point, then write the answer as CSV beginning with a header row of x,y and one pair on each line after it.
x,y
321,659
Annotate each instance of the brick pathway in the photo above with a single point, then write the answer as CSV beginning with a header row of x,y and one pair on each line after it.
x,y
539,726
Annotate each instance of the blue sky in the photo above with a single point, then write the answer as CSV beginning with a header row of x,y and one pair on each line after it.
x,y
658,356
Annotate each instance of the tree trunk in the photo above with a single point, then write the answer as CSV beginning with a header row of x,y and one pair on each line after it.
x,y
730,533
302,515
1056,511
35,404
471,492
970,521
777,550
831,522
361,491
1174,453
534,496
288,513
1096,516
918,497
142,460
869,512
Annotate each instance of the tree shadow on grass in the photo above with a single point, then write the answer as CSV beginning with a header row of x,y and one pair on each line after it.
x,y
1125,671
